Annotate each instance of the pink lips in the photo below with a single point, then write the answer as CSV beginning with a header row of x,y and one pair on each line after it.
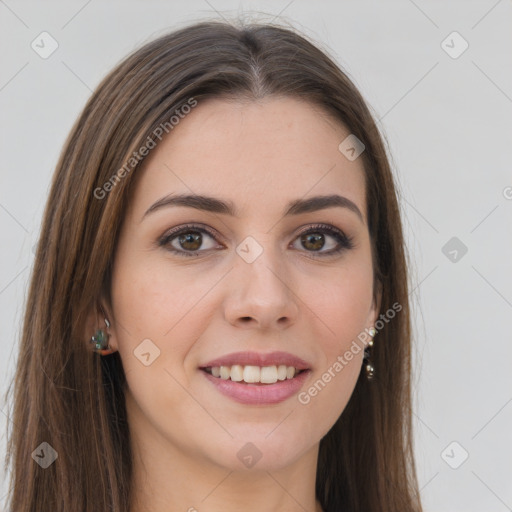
x,y
259,394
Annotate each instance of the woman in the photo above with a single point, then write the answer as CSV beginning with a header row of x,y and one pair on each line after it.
x,y
220,247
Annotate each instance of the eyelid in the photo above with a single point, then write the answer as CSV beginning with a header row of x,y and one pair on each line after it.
x,y
183,228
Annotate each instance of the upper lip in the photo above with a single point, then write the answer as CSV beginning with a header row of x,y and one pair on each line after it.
x,y
258,359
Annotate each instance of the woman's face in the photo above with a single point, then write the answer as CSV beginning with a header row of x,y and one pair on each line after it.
x,y
244,289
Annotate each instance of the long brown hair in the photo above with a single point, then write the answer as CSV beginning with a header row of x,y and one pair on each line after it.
x,y
74,400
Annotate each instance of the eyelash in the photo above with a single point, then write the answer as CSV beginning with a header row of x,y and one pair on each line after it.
x,y
345,242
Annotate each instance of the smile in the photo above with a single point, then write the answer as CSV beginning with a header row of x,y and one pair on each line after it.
x,y
253,374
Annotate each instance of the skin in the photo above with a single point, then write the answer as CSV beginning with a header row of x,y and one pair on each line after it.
x,y
185,434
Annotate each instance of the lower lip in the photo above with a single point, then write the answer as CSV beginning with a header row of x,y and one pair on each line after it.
x,y
259,394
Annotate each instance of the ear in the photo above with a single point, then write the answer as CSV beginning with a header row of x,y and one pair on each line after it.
x,y
377,301
100,317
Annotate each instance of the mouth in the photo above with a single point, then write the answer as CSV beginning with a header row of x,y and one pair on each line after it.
x,y
251,374
257,379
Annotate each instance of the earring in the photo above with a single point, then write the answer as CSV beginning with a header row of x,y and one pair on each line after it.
x,y
370,370
100,341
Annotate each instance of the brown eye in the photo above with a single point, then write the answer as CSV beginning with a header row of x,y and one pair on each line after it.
x,y
312,241
189,240
323,236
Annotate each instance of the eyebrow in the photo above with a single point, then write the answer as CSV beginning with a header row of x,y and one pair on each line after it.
x,y
214,205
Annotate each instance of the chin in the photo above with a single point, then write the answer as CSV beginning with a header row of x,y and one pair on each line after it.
x,y
262,452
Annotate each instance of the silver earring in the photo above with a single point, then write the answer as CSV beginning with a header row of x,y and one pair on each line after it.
x,y
100,340
370,370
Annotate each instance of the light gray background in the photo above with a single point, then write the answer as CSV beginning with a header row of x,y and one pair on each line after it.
x,y
447,122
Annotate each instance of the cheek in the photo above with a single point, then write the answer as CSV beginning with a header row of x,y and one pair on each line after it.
x,y
341,309
150,296
155,310
326,396
153,300
342,304
328,392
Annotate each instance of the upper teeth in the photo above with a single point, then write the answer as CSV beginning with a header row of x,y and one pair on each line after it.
x,y
254,374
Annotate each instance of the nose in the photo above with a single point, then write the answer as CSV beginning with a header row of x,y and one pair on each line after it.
x,y
261,294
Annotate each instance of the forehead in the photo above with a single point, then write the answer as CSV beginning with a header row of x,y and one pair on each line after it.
x,y
269,152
